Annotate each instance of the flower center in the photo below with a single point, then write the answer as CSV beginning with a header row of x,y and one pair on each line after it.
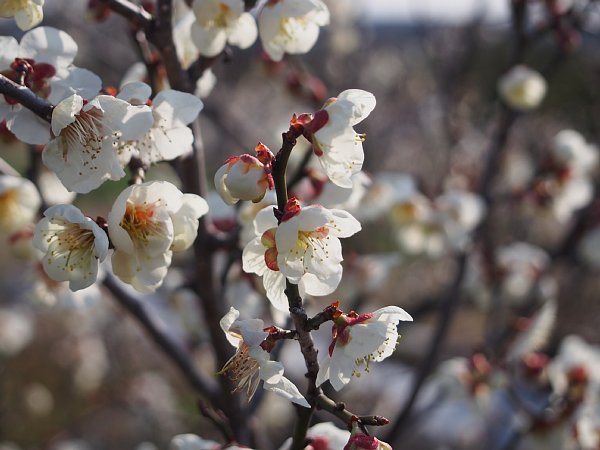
x,y
220,20
8,207
140,221
87,131
71,243
242,370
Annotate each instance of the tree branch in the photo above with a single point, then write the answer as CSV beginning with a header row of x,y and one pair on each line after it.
x,y
26,97
159,333
132,12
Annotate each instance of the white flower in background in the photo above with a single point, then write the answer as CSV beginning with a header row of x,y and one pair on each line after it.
x,y
221,22
522,88
291,26
88,135
187,52
570,196
19,203
323,436
588,248
521,266
572,150
358,340
245,177
169,137
52,190
27,13
46,55
147,223
334,141
537,334
205,84
385,191
192,442
16,331
461,212
73,245
575,359
251,363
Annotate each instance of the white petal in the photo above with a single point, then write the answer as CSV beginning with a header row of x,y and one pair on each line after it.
x,y
274,283
345,224
253,257
9,50
226,322
363,103
243,31
78,81
29,128
177,107
210,41
49,45
136,93
64,113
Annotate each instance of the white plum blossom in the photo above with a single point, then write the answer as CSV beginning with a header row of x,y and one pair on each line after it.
x,y
16,330
73,246
358,340
45,55
338,147
522,88
19,203
147,223
304,249
572,150
291,26
169,137
221,22
588,248
190,441
521,265
323,436
27,13
461,212
251,363
84,152
245,177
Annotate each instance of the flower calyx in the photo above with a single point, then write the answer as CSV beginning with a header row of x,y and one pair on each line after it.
x,y
339,332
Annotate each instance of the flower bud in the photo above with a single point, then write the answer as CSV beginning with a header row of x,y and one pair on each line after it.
x,y
522,88
245,177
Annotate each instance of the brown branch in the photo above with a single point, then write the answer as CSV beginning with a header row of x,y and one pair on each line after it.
x,y
132,12
159,333
161,35
27,98
339,410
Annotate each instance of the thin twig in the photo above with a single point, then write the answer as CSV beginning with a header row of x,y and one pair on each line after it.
x,y
159,333
134,13
27,98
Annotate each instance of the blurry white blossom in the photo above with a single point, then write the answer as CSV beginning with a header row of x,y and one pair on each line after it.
x,y
522,88
27,13
291,26
221,22
19,203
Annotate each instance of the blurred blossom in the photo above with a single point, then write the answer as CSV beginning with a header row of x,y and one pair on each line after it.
x,y
571,150
38,399
521,265
205,84
52,190
27,13
16,331
192,442
19,203
291,26
220,23
517,171
385,192
522,88
324,436
74,444
93,364
588,248
537,333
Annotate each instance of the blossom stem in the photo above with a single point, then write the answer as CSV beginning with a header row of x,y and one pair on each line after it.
x,y
299,318
27,98
339,410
